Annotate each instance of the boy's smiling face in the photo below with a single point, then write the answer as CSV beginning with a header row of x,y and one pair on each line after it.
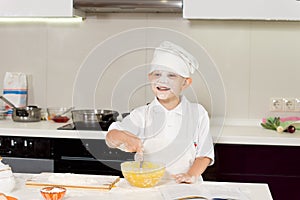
x,y
166,85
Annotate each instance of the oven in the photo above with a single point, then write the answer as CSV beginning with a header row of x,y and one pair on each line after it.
x,y
88,156
27,154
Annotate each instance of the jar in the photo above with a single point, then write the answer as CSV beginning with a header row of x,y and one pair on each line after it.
x,y
7,181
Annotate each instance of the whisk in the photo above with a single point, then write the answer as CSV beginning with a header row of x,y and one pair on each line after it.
x,y
139,156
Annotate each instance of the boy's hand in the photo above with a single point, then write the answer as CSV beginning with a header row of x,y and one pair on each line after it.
x,y
184,178
124,141
131,143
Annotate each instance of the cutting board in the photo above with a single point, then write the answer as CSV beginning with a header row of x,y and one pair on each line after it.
x,y
69,180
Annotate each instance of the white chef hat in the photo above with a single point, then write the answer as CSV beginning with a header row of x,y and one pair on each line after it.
x,y
171,57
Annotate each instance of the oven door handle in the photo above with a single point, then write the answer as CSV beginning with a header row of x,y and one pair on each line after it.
x,y
77,158
87,159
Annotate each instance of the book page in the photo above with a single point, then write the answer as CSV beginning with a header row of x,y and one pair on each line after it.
x,y
191,191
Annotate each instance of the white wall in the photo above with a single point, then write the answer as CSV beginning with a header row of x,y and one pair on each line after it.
x,y
256,59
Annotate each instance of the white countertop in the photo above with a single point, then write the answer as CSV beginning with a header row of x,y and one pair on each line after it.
x,y
44,129
256,135
253,135
124,191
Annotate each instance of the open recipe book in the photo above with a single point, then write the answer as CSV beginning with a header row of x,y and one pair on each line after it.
x,y
199,191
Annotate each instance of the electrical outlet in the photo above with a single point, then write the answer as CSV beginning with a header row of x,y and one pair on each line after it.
x,y
289,104
297,104
276,104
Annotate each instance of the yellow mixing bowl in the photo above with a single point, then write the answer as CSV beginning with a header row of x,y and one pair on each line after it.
x,y
147,176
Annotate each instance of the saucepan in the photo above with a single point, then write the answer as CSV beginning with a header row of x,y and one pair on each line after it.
x,y
93,119
24,114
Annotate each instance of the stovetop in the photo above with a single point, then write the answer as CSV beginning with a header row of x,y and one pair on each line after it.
x,y
70,126
90,127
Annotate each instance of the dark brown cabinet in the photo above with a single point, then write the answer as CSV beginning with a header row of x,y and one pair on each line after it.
x,y
278,166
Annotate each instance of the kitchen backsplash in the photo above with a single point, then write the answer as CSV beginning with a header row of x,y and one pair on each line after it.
x,y
256,60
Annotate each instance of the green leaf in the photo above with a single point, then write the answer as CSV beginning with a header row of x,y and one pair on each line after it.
x,y
270,120
268,126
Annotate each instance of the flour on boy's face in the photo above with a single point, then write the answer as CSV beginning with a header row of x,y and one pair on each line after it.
x,y
162,92
166,84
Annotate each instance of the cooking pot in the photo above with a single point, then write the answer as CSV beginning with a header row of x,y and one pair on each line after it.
x,y
93,119
24,114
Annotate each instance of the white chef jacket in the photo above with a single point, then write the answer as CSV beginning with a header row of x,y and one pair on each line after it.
x,y
174,137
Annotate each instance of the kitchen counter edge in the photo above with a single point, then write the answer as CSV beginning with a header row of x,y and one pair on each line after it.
x,y
247,135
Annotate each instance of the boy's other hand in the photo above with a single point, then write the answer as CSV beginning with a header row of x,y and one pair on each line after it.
x,y
184,178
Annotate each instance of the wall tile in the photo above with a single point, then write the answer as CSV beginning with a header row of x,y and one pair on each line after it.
x,y
256,59
24,49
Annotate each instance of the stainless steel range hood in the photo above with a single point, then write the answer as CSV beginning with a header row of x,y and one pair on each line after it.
x,y
96,6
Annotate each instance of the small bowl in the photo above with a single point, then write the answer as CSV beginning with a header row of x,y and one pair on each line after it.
x,y
54,114
147,176
7,197
53,192
61,119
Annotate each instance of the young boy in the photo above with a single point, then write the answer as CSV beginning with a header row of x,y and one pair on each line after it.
x,y
170,129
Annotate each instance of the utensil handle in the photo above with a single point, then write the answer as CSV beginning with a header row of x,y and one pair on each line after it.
x,y
66,111
8,102
138,156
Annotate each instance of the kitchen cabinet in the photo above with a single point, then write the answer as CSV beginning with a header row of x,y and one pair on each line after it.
x,y
27,154
88,156
278,166
36,8
239,9
64,155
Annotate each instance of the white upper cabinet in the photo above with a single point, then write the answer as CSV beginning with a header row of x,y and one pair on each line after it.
x,y
36,8
242,9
